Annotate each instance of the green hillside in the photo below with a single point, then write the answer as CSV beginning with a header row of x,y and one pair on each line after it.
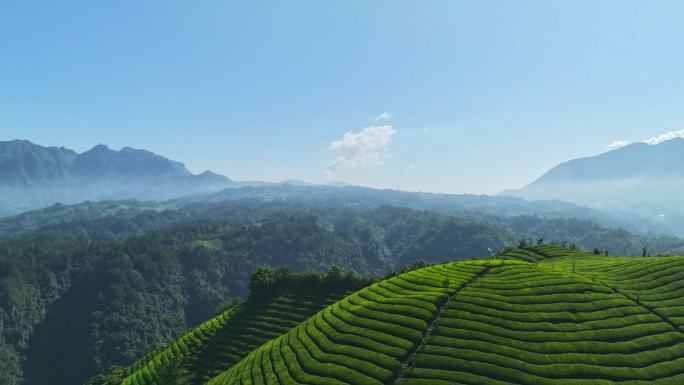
x,y
257,324
538,315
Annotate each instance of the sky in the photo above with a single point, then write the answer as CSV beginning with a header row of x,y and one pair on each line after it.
x,y
440,96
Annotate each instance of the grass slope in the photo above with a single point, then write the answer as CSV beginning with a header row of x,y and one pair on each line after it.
x,y
539,315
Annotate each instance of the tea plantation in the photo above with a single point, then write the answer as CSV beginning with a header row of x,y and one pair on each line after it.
x,y
542,314
539,315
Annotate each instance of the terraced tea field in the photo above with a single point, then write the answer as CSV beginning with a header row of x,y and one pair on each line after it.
x,y
217,344
256,325
542,315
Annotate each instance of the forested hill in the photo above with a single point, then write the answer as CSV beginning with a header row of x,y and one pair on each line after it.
x,y
108,288
478,207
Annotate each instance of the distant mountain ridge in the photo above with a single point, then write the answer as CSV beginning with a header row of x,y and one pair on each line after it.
x,y
640,178
127,162
25,163
33,176
637,160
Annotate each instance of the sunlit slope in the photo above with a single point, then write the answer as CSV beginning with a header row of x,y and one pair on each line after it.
x,y
525,324
222,341
564,317
365,338
655,283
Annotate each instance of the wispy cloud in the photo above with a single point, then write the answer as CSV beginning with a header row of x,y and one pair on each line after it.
x,y
384,116
362,148
652,140
618,144
664,137
411,167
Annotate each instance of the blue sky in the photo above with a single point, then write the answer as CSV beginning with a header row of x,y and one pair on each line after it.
x,y
447,96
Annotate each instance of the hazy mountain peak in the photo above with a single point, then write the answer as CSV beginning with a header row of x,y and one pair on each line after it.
x,y
99,148
212,177
125,163
32,175
25,163
642,178
637,160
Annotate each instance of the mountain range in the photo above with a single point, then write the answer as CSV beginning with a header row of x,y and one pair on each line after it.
x,y
28,164
639,183
33,176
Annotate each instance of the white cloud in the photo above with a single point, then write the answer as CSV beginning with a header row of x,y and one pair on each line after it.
x,y
653,140
664,137
411,167
618,144
384,116
362,148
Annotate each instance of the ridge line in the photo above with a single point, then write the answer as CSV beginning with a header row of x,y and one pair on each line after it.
x,y
410,361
